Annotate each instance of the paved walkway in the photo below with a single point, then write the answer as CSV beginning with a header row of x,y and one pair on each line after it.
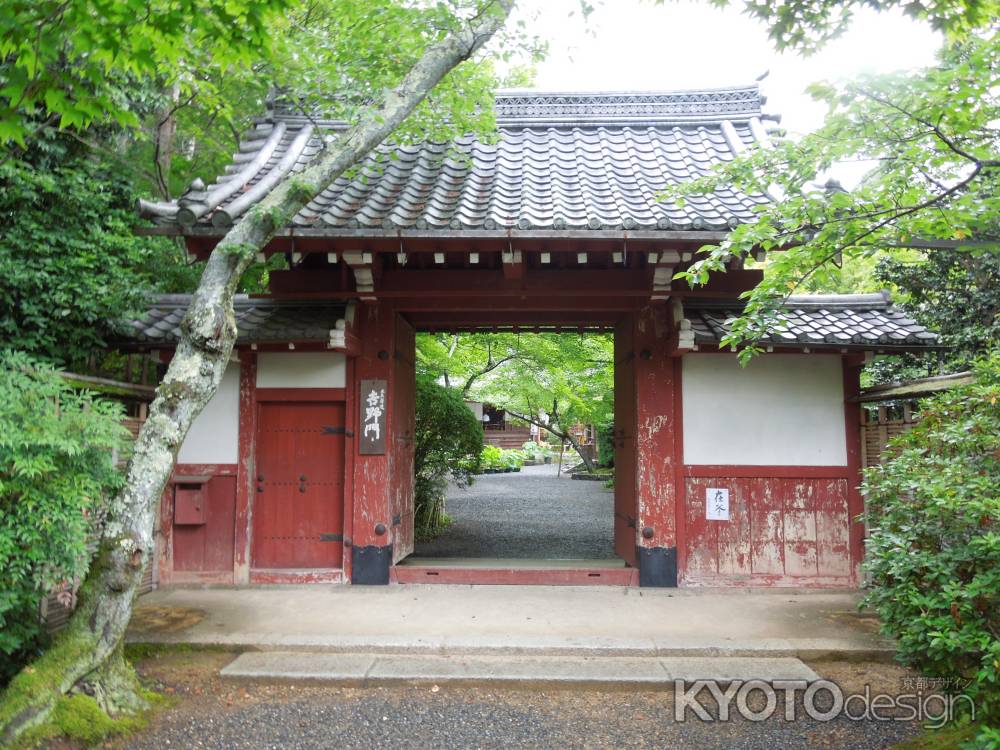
x,y
529,514
540,620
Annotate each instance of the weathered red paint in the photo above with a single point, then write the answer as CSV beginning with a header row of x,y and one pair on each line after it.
x,y
656,430
300,485
351,419
402,446
183,550
781,472
680,514
372,477
782,531
246,457
306,575
209,546
301,394
501,576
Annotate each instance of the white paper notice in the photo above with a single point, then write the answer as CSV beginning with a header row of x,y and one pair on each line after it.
x,y
716,504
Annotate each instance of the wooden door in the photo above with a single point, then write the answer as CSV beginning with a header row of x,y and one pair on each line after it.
x,y
298,513
625,444
403,405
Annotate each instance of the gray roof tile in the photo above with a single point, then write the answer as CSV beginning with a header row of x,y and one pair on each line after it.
x,y
562,160
859,320
257,320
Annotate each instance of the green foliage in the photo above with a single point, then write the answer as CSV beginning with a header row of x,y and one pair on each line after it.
x,y
68,256
447,441
56,465
568,378
934,549
493,459
806,25
932,135
606,444
536,451
955,293
72,62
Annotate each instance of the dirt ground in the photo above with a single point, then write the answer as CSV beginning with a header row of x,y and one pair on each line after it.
x,y
209,712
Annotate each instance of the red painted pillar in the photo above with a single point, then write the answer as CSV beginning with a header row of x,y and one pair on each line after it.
x,y
371,550
657,494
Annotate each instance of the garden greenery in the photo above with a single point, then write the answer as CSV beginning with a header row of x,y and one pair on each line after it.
x,y
447,442
933,511
57,463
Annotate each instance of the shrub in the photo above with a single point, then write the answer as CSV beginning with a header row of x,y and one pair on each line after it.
x,y
536,451
492,458
56,464
933,554
606,445
447,441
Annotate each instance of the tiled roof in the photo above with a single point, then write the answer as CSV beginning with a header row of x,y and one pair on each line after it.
x,y
562,161
820,320
257,320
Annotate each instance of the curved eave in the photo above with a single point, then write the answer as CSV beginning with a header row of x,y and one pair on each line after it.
x,y
667,235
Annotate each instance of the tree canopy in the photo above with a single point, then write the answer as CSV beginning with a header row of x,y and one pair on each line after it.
x,y
553,380
933,141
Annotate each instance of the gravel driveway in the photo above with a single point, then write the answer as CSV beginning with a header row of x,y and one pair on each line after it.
x,y
214,714
530,514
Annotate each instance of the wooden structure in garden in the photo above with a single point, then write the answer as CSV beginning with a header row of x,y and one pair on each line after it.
x,y
301,467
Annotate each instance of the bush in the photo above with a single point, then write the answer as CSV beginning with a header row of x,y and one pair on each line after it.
x,y
492,458
606,445
56,464
447,441
536,451
934,550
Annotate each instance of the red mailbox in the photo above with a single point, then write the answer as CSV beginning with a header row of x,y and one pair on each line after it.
x,y
190,499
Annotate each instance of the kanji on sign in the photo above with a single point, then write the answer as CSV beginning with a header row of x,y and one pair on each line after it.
x,y
716,504
372,429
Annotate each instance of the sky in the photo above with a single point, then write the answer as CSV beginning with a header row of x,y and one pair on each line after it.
x,y
636,45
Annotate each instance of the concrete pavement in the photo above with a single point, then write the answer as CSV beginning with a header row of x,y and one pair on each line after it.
x,y
515,620
363,670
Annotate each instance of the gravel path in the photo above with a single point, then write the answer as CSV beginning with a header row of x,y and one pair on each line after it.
x,y
210,713
530,514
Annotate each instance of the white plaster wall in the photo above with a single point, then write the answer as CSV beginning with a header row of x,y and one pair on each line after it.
x,y
781,410
214,435
477,409
301,370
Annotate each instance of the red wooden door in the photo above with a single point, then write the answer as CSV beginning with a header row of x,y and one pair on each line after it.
x,y
403,427
298,513
625,444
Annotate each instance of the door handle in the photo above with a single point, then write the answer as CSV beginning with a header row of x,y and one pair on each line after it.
x,y
302,483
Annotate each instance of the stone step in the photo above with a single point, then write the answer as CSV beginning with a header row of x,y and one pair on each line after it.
x,y
382,669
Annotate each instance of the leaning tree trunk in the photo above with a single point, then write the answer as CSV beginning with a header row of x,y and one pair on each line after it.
x,y
88,656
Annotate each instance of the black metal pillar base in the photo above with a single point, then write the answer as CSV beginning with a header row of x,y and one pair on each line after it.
x,y
370,565
657,566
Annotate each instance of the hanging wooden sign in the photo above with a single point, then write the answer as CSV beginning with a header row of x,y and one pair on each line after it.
x,y
373,418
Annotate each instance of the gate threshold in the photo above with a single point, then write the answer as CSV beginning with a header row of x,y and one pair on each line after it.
x,y
514,571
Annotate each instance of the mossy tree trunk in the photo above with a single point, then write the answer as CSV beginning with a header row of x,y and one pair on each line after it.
x,y
88,655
